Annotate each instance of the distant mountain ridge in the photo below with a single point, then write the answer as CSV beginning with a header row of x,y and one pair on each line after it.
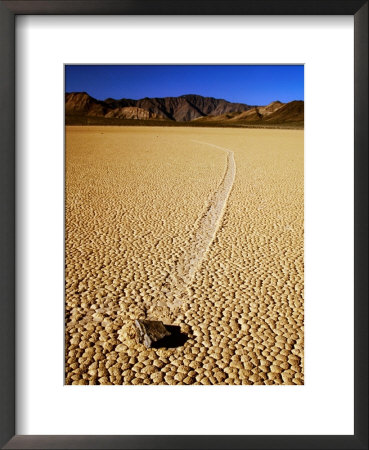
x,y
274,113
191,108
180,109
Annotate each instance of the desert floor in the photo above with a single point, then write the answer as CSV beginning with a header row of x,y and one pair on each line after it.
x,y
201,228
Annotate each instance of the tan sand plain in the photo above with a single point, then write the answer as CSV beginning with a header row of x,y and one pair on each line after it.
x,y
197,227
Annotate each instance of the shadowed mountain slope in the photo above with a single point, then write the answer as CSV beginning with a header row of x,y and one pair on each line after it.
x,y
274,113
289,112
180,109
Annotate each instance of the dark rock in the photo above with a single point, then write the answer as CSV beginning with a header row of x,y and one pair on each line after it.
x,y
150,331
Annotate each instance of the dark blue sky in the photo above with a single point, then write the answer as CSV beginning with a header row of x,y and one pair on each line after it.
x,y
254,85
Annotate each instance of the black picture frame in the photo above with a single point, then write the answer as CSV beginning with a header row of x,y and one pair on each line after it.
x,y
8,12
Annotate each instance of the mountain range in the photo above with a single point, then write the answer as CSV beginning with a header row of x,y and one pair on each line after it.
x,y
192,109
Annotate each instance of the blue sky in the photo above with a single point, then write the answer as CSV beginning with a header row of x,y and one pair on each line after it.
x,y
251,84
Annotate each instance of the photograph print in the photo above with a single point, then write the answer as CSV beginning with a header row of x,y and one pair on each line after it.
x,y
184,225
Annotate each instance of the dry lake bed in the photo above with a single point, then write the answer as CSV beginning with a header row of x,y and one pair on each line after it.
x,y
199,228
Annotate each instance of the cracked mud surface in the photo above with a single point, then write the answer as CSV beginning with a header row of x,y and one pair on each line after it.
x,y
200,228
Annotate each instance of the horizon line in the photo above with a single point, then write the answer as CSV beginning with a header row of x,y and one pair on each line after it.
x,y
176,96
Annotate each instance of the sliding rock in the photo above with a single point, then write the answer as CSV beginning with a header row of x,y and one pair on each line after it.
x,y
150,331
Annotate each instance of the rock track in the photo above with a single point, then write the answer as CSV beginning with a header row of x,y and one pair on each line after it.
x,y
203,234
176,288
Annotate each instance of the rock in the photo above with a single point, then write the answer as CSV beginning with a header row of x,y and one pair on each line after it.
x,y
150,331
